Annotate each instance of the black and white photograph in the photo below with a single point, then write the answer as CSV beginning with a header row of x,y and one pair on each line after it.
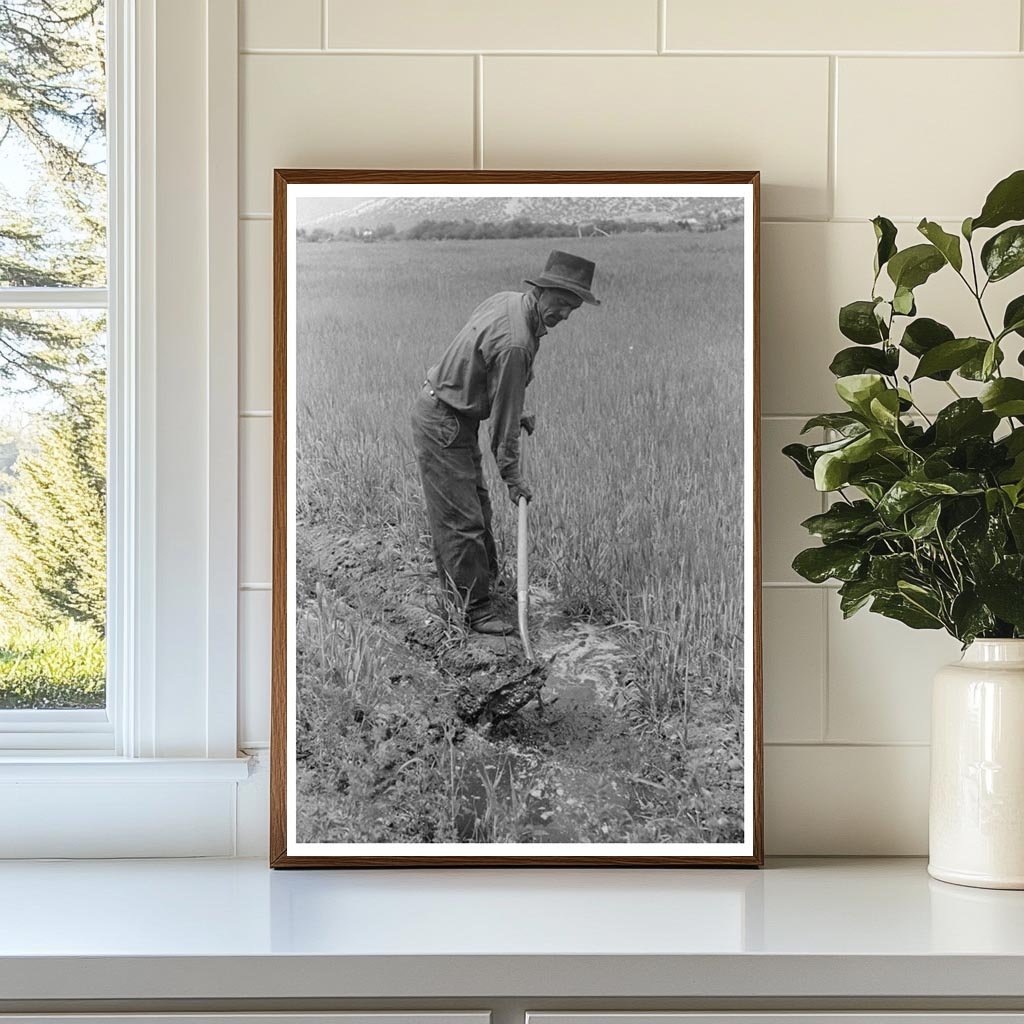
x,y
516,562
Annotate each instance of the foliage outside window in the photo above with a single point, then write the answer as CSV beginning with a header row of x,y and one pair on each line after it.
x,y
53,198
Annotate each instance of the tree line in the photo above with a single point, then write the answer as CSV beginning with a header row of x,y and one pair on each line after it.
x,y
518,227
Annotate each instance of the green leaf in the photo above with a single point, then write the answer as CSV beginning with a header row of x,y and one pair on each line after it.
x,y
864,446
1012,446
885,236
995,499
950,355
831,471
1004,397
1017,326
981,537
841,561
843,521
963,482
965,229
857,321
855,594
1013,317
885,409
974,368
925,518
886,470
947,244
979,453
1015,518
1005,596
964,418
887,570
850,361
817,450
1005,202
912,267
903,302
991,360
1003,254
799,455
858,389
897,607
970,617
935,466
906,494
841,421
923,335
1014,441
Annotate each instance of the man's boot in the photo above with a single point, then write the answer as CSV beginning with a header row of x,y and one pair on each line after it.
x,y
491,624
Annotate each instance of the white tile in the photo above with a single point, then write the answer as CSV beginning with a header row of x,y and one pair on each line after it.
x,y
880,676
254,628
808,272
846,801
805,279
351,111
868,25
793,631
787,499
255,317
269,24
472,25
682,113
255,510
961,130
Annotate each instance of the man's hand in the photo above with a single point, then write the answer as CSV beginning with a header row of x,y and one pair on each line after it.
x,y
528,421
519,490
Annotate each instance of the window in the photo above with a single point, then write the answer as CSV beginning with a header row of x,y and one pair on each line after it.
x,y
155,770
53,368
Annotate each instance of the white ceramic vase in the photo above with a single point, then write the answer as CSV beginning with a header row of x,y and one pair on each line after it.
x,y
976,812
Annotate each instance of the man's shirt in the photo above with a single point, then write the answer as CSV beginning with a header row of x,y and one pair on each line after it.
x,y
484,372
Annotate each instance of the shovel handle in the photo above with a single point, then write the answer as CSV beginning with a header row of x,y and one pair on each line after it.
x,y
523,580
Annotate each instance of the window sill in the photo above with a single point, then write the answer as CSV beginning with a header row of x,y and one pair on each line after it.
x,y
78,766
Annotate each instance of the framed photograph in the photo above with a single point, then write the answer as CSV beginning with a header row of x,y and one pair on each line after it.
x,y
516,551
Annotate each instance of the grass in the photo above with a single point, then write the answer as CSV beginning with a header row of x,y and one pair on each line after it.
x,y
636,465
63,667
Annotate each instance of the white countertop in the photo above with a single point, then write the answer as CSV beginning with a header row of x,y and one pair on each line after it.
x,y
233,928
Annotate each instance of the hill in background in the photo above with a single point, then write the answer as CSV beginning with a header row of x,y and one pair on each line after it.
x,y
404,212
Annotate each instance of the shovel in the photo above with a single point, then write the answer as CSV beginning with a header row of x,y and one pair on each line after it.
x,y
523,578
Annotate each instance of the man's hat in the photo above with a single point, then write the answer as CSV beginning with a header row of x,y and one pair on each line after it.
x,y
573,273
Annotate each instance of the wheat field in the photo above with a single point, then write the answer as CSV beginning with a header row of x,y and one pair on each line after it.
x,y
636,464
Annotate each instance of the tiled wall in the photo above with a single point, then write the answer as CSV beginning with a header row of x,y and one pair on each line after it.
x,y
905,109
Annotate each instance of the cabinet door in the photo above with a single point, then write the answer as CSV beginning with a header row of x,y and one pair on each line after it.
x,y
783,1017
360,1017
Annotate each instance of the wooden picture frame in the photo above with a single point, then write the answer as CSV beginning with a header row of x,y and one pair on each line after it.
x,y
389,766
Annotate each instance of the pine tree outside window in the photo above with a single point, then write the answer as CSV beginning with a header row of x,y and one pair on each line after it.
x,y
53,364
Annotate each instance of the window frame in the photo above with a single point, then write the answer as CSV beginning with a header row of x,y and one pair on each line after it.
x,y
172,516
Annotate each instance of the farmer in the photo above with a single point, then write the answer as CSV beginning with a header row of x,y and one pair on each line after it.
x,y
483,375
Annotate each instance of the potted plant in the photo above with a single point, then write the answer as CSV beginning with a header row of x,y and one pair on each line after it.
x,y
927,521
